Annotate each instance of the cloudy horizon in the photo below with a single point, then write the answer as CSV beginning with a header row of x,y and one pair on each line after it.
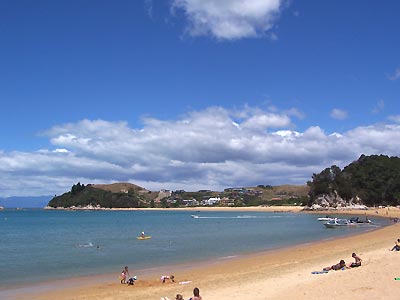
x,y
214,148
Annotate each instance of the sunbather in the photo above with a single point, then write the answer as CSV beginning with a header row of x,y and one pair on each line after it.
x,y
336,267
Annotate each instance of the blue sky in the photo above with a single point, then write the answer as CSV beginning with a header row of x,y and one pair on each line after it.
x,y
185,94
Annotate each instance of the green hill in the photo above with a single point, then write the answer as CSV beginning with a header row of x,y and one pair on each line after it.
x,y
122,195
374,179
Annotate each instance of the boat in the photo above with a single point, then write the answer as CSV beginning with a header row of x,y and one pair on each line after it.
x,y
338,223
194,216
147,237
357,220
326,219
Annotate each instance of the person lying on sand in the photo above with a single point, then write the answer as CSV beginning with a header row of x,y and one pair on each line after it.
x,y
357,262
336,267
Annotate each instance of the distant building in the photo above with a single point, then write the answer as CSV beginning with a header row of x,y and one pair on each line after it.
x,y
211,201
190,202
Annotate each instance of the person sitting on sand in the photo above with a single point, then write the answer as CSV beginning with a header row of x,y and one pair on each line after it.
x,y
165,277
196,294
179,297
336,267
357,262
396,246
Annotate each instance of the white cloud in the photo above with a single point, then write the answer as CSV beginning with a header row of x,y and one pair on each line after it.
x,y
339,114
395,75
264,121
214,148
230,19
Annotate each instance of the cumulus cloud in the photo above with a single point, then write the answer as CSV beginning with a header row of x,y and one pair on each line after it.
x,y
338,114
213,148
229,19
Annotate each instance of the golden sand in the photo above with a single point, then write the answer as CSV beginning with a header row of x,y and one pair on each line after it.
x,y
272,275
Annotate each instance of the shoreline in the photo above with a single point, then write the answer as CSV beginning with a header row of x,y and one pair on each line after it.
x,y
243,274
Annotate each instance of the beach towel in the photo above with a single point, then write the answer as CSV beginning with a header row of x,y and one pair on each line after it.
x,y
319,272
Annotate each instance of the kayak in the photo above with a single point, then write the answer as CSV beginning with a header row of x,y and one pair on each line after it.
x,y
143,237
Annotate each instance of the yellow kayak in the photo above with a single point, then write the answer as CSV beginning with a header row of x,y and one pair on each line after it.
x,y
143,237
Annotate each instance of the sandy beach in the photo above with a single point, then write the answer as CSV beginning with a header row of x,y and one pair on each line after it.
x,y
278,274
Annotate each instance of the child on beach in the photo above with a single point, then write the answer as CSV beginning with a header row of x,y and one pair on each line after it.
x,y
124,272
122,277
357,262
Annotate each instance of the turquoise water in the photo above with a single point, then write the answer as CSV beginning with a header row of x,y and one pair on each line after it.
x,y
38,245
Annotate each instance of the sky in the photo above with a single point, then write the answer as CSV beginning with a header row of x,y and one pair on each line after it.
x,y
193,94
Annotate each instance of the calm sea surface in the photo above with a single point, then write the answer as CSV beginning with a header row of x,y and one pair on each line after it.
x,y
38,245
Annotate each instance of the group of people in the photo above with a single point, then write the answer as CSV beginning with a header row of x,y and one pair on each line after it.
x,y
196,295
342,264
124,275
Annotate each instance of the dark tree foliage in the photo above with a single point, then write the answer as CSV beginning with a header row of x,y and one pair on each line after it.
x,y
83,196
375,179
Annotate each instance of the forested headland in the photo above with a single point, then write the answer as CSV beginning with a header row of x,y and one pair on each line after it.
x,y
375,180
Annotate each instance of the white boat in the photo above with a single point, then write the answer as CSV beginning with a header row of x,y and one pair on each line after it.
x,y
339,223
325,219
194,216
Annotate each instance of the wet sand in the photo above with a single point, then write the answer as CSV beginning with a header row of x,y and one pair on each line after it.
x,y
277,274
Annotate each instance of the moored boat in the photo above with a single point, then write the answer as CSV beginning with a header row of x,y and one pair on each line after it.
x,y
359,221
325,219
338,223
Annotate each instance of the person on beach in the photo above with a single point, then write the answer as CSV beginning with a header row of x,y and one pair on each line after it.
x,y
396,246
131,281
171,278
357,262
124,273
336,267
196,294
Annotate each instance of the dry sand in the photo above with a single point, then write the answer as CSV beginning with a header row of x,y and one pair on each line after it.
x,y
279,274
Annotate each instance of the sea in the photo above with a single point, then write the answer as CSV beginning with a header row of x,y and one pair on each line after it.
x,y
39,245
